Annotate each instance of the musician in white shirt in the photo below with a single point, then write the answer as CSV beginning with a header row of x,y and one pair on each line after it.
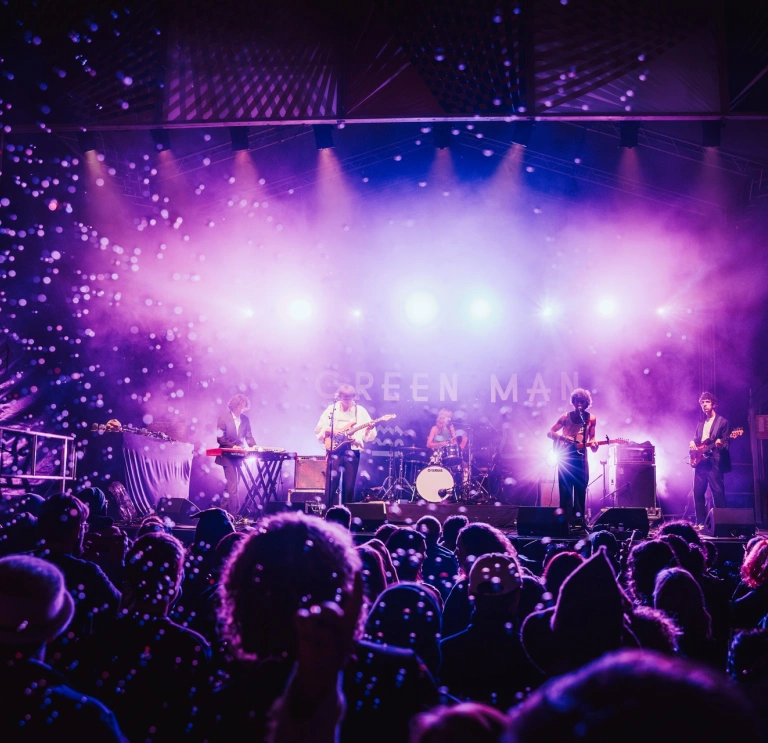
x,y
347,414
233,431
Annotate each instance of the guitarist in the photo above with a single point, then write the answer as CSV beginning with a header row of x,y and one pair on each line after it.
x,y
714,433
570,429
346,414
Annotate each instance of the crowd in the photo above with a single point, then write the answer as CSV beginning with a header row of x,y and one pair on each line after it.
x,y
290,632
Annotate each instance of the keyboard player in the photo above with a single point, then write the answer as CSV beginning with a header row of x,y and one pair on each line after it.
x,y
233,431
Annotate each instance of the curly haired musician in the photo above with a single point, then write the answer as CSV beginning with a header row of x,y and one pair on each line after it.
x,y
346,414
716,460
233,431
571,430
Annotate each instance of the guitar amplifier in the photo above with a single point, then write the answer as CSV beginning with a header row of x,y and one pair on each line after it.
x,y
310,473
306,495
632,484
631,453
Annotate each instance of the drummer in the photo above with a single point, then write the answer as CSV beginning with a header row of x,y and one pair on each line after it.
x,y
443,432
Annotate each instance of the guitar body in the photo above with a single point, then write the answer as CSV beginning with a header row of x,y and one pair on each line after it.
x,y
706,449
560,443
342,439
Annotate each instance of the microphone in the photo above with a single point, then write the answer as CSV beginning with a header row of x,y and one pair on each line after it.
x,y
444,491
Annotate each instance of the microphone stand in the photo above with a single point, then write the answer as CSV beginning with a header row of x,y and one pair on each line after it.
x,y
328,458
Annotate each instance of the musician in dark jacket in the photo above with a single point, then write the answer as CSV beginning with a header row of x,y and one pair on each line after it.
x,y
233,431
715,433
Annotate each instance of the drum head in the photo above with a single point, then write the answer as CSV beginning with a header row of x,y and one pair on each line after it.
x,y
431,480
451,454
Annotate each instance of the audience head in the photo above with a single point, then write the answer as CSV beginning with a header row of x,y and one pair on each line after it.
x,y
552,549
451,528
690,557
153,571
212,525
61,523
476,540
407,616
96,501
389,567
469,721
18,533
629,691
558,569
153,524
748,656
606,539
495,583
374,574
430,528
680,597
340,515
710,553
682,529
289,562
654,630
409,550
384,532
646,561
754,570
35,606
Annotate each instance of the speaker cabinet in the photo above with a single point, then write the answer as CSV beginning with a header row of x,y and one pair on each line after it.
x,y
178,510
367,517
310,473
622,520
730,522
541,522
314,495
633,484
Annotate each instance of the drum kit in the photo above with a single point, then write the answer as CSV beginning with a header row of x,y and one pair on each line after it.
x,y
446,474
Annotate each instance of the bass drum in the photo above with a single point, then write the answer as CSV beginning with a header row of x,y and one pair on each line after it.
x,y
431,481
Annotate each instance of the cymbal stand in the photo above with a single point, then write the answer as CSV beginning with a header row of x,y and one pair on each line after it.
x,y
473,488
396,483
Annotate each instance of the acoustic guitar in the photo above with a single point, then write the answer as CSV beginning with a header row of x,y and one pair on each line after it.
x,y
706,448
342,439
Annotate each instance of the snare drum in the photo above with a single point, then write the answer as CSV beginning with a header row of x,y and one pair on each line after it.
x,y
431,481
451,455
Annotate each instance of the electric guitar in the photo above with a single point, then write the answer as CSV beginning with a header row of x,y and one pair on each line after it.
x,y
706,448
342,439
560,442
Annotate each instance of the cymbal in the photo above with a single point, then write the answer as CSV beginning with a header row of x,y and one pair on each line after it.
x,y
413,450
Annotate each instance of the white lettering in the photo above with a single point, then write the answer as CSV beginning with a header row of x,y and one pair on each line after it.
x,y
391,393
362,389
567,385
503,394
451,387
539,388
415,387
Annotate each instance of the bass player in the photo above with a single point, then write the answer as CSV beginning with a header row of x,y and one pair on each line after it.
x,y
710,442
345,461
571,431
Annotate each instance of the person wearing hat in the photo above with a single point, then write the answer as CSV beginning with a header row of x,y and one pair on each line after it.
x,y
37,703
486,662
587,620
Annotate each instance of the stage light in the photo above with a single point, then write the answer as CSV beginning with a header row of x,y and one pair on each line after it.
x,y
323,136
88,141
239,137
661,311
628,131
300,309
552,457
441,136
421,308
606,307
547,311
161,138
357,313
522,131
480,308
248,312
710,133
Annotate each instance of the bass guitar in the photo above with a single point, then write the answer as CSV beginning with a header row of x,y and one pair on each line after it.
x,y
706,448
562,442
342,439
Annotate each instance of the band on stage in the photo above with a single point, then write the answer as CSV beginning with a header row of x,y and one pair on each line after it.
x,y
345,428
